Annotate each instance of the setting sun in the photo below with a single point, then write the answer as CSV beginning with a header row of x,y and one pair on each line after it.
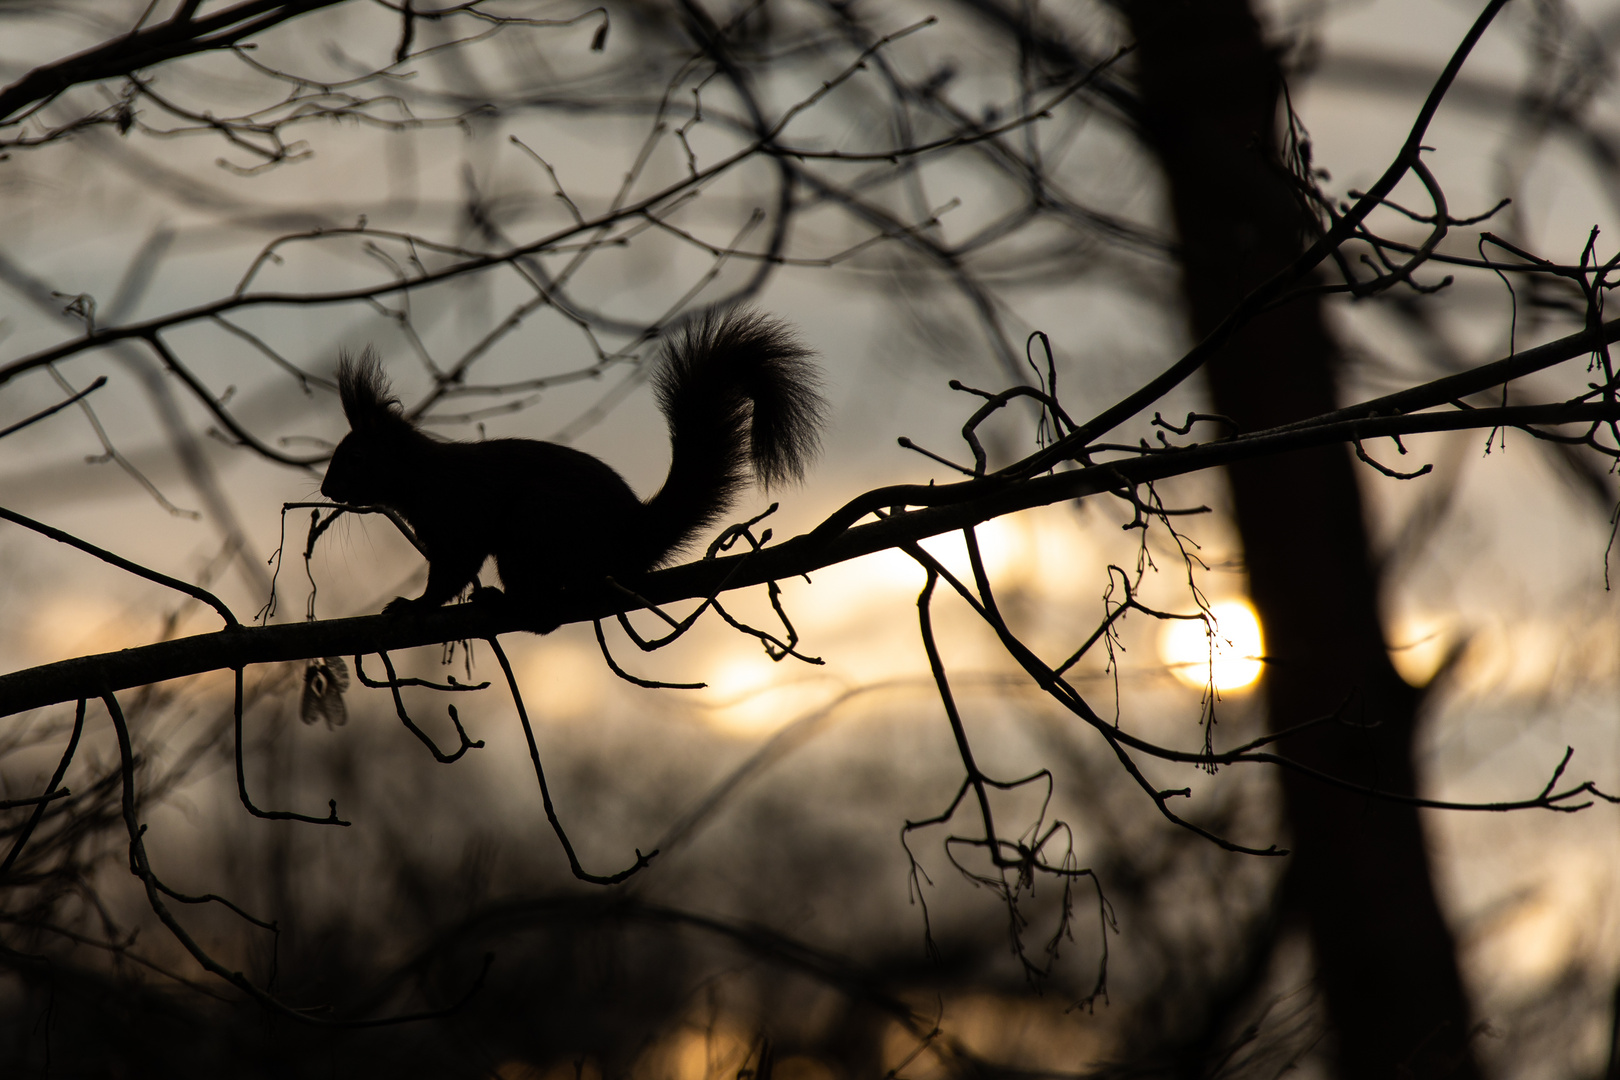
x,y
1233,633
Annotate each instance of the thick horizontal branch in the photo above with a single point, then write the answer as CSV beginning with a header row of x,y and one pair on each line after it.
x,y
941,509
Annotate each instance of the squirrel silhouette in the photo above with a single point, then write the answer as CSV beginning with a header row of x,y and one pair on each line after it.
x,y
740,396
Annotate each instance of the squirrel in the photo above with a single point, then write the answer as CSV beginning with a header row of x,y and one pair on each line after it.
x,y
737,389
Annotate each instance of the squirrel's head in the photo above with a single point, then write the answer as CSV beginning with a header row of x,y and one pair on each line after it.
x,y
366,466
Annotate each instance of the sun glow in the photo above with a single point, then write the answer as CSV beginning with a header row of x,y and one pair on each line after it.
x,y
1227,650
753,695
1419,645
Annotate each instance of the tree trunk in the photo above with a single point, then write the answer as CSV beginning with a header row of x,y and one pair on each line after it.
x,y
1360,878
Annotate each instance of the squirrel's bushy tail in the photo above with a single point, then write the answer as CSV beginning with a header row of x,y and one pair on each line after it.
x,y
741,397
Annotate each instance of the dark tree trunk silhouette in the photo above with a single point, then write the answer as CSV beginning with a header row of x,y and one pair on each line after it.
x,y
1360,879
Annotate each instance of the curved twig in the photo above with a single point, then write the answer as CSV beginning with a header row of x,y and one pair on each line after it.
x,y
579,871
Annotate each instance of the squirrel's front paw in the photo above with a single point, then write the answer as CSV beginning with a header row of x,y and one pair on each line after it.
x,y
401,605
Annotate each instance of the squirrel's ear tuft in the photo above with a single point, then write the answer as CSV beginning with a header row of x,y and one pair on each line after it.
x,y
362,386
